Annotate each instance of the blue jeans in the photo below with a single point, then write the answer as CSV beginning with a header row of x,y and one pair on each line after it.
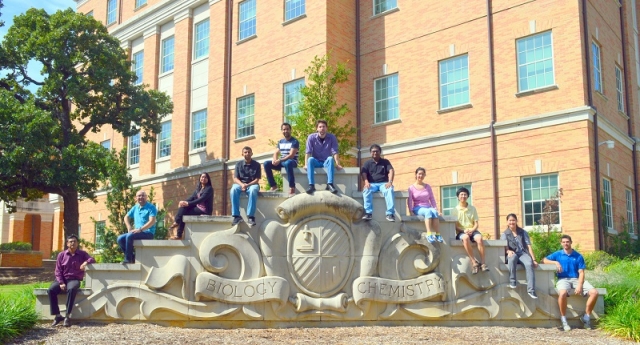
x,y
288,165
125,242
252,192
367,195
314,163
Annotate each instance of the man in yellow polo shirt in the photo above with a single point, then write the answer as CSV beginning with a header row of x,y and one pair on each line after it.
x,y
467,229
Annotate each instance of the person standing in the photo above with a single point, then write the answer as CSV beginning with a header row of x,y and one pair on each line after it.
x,y
519,250
570,268
247,178
144,221
70,266
199,203
286,156
377,174
322,151
467,229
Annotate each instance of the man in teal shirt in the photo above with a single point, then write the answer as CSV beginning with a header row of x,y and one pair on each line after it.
x,y
144,225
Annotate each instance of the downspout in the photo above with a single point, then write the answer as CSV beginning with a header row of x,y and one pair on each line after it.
x,y
587,56
227,103
494,148
358,119
627,106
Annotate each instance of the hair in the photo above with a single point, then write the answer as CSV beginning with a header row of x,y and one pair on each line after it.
x,y
461,190
142,192
247,148
285,124
512,215
73,236
199,186
321,121
375,146
567,237
420,168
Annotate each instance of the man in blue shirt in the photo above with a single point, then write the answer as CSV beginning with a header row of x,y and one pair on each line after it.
x,y
288,149
570,267
144,225
322,151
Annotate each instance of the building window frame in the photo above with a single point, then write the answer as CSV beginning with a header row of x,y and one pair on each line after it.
x,y
620,89
199,129
201,32
167,54
294,9
247,19
112,11
100,227
596,54
536,189
137,65
106,144
134,150
457,66
164,140
382,6
386,98
535,61
140,3
629,203
291,98
608,203
245,115
448,198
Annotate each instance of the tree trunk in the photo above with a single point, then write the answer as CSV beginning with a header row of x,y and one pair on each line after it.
x,y
71,214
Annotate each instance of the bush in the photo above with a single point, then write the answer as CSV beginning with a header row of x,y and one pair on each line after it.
x,y
17,312
622,302
54,254
622,245
599,260
544,243
22,246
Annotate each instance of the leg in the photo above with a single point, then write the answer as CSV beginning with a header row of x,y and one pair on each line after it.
x,y
563,286
527,262
288,167
122,242
512,263
72,290
312,163
130,237
188,211
435,225
591,301
268,170
388,198
235,199
367,196
329,167
466,243
53,292
252,192
480,243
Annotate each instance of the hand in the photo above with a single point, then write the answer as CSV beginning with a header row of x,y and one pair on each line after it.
x,y
136,231
367,185
243,187
83,266
535,264
510,253
63,287
579,290
276,162
558,267
183,204
388,185
338,166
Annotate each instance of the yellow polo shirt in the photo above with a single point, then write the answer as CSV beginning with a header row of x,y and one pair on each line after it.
x,y
467,216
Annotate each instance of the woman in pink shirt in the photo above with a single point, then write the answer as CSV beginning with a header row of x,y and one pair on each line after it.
x,y
422,203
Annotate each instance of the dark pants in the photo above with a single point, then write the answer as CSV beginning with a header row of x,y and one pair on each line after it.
x,y
125,242
55,290
186,211
288,165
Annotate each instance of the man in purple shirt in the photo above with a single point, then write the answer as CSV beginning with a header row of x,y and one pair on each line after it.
x,y
322,151
70,266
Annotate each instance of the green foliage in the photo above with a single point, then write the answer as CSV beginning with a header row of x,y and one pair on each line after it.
x,y
320,102
17,312
622,302
621,244
85,83
162,231
54,254
544,243
277,176
22,246
599,260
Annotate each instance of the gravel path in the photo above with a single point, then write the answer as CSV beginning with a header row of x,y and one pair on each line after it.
x,y
110,334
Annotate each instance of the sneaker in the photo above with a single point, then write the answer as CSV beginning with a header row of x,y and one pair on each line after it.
x,y
237,220
512,286
566,326
67,322
251,221
391,218
311,189
439,238
532,294
331,188
430,238
57,320
586,323
367,216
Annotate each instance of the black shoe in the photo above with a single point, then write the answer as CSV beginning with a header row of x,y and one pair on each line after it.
x,y
311,189
367,216
251,221
67,322
391,218
57,320
237,220
331,188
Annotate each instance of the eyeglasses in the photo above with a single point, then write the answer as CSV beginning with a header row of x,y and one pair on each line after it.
x,y
374,151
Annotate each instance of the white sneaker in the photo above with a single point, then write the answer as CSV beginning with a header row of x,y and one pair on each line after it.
x,y
586,323
566,326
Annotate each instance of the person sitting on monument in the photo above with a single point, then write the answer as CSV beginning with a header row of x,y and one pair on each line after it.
x,y
70,266
467,229
519,250
144,220
421,202
321,151
377,174
286,155
199,203
247,178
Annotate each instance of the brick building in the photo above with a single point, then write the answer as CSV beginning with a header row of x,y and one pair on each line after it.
x,y
513,99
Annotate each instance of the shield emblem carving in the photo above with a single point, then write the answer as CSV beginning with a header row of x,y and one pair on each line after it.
x,y
320,255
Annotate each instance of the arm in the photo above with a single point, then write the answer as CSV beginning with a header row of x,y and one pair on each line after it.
x,y
126,222
580,282
205,195
410,200
533,257
336,153
363,174
147,225
547,260
87,260
292,153
59,272
306,159
257,176
392,174
275,159
432,199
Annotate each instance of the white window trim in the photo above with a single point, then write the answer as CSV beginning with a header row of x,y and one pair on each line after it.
x,y
191,130
161,73
254,117
598,67
440,84
619,89
195,26
115,20
608,204
284,95
531,227
159,140
255,18
375,101
129,152
553,63
629,207
373,10
284,14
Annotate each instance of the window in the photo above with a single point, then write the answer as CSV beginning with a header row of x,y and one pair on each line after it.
x,y
112,7
90,14
293,9
201,46
164,140
535,62
247,23
454,81
630,225
134,149
619,90
386,98
597,67
101,226
608,205
535,191
199,129
449,198
137,64
380,6
292,98
140,3
106,144
166,63
245,111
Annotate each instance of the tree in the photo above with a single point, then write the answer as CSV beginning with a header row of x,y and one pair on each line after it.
x,y
86,82
320,103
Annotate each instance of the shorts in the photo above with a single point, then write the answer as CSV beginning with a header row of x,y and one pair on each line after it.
x,y
473,235
426,212
570,285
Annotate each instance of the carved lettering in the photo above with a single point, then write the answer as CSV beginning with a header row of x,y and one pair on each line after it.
x,y
398,291
253,290
238,291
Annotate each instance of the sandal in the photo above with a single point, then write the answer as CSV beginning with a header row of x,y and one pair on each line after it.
x,y
475,268
484,268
